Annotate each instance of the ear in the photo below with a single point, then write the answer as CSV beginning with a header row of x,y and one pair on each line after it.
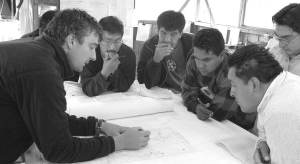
x,y
70,41
181,34
222,55
255,84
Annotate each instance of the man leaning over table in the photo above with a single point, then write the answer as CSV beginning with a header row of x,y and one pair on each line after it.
x,y
115,64
32,97
205,88
259,83
163,57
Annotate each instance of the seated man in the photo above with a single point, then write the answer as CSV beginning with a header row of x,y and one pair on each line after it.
x,y
259,83
205,88
287,32
32,95
44,20
115,64
163,57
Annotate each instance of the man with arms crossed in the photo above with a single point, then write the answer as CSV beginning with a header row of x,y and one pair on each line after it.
x,y
259,83
205,88
115,64
164,56
32,97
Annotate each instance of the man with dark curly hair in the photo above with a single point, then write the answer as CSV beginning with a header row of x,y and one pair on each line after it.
x,y
115,64
205,88
44,20
32,97
163,57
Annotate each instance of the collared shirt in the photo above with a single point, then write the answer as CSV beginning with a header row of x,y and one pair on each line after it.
x,y
292,66
223,105
279,119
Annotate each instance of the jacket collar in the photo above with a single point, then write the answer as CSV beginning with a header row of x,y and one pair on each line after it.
x,y
60,57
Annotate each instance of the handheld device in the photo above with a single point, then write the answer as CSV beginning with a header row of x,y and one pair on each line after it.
x,y
207,92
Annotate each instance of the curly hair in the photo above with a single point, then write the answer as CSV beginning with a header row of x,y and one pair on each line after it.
x,y
209,39
289,16
171,21
72,21
112,25
254,61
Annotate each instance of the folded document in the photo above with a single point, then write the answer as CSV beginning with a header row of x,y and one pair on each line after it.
x,y
113,105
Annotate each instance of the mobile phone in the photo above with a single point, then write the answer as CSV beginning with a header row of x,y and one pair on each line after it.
x,y
207,92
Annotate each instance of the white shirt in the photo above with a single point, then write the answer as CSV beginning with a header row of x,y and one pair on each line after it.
x,y
279,119
292,66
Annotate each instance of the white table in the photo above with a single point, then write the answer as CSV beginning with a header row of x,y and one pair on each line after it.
x,y
200,136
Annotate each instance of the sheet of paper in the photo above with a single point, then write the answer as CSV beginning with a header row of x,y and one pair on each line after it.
x,y
120,108
241,148
73,89
156,92
96,8
128,36
163,142
234,36
143,32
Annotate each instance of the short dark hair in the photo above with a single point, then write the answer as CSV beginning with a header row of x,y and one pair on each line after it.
x,y
72,21
289,16
112,25
46,18
171,21
209,39
254,61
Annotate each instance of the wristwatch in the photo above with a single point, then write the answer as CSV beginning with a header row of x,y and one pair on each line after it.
x,y
98,129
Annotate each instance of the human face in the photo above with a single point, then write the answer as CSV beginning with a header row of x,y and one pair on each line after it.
x,y
289,40
111,43
80,54
206,62
242,92
170,37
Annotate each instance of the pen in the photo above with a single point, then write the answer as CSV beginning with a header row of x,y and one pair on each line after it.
x,y
261,157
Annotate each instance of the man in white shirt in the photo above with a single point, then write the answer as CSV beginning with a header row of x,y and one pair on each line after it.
x,y
287,32
259,83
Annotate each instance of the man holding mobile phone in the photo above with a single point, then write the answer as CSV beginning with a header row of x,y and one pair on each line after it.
x,y
115,64
205,88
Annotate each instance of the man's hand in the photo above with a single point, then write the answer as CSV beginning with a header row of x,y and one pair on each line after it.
x,y
203,113
162,50
113,129
265,151
110,65
132,139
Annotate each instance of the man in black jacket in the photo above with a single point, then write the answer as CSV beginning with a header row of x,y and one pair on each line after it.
x,y
163,57
44,20
32,96
115,65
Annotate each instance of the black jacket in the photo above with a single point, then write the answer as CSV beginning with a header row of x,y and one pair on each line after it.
x,y
33,105
94,83
155,74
